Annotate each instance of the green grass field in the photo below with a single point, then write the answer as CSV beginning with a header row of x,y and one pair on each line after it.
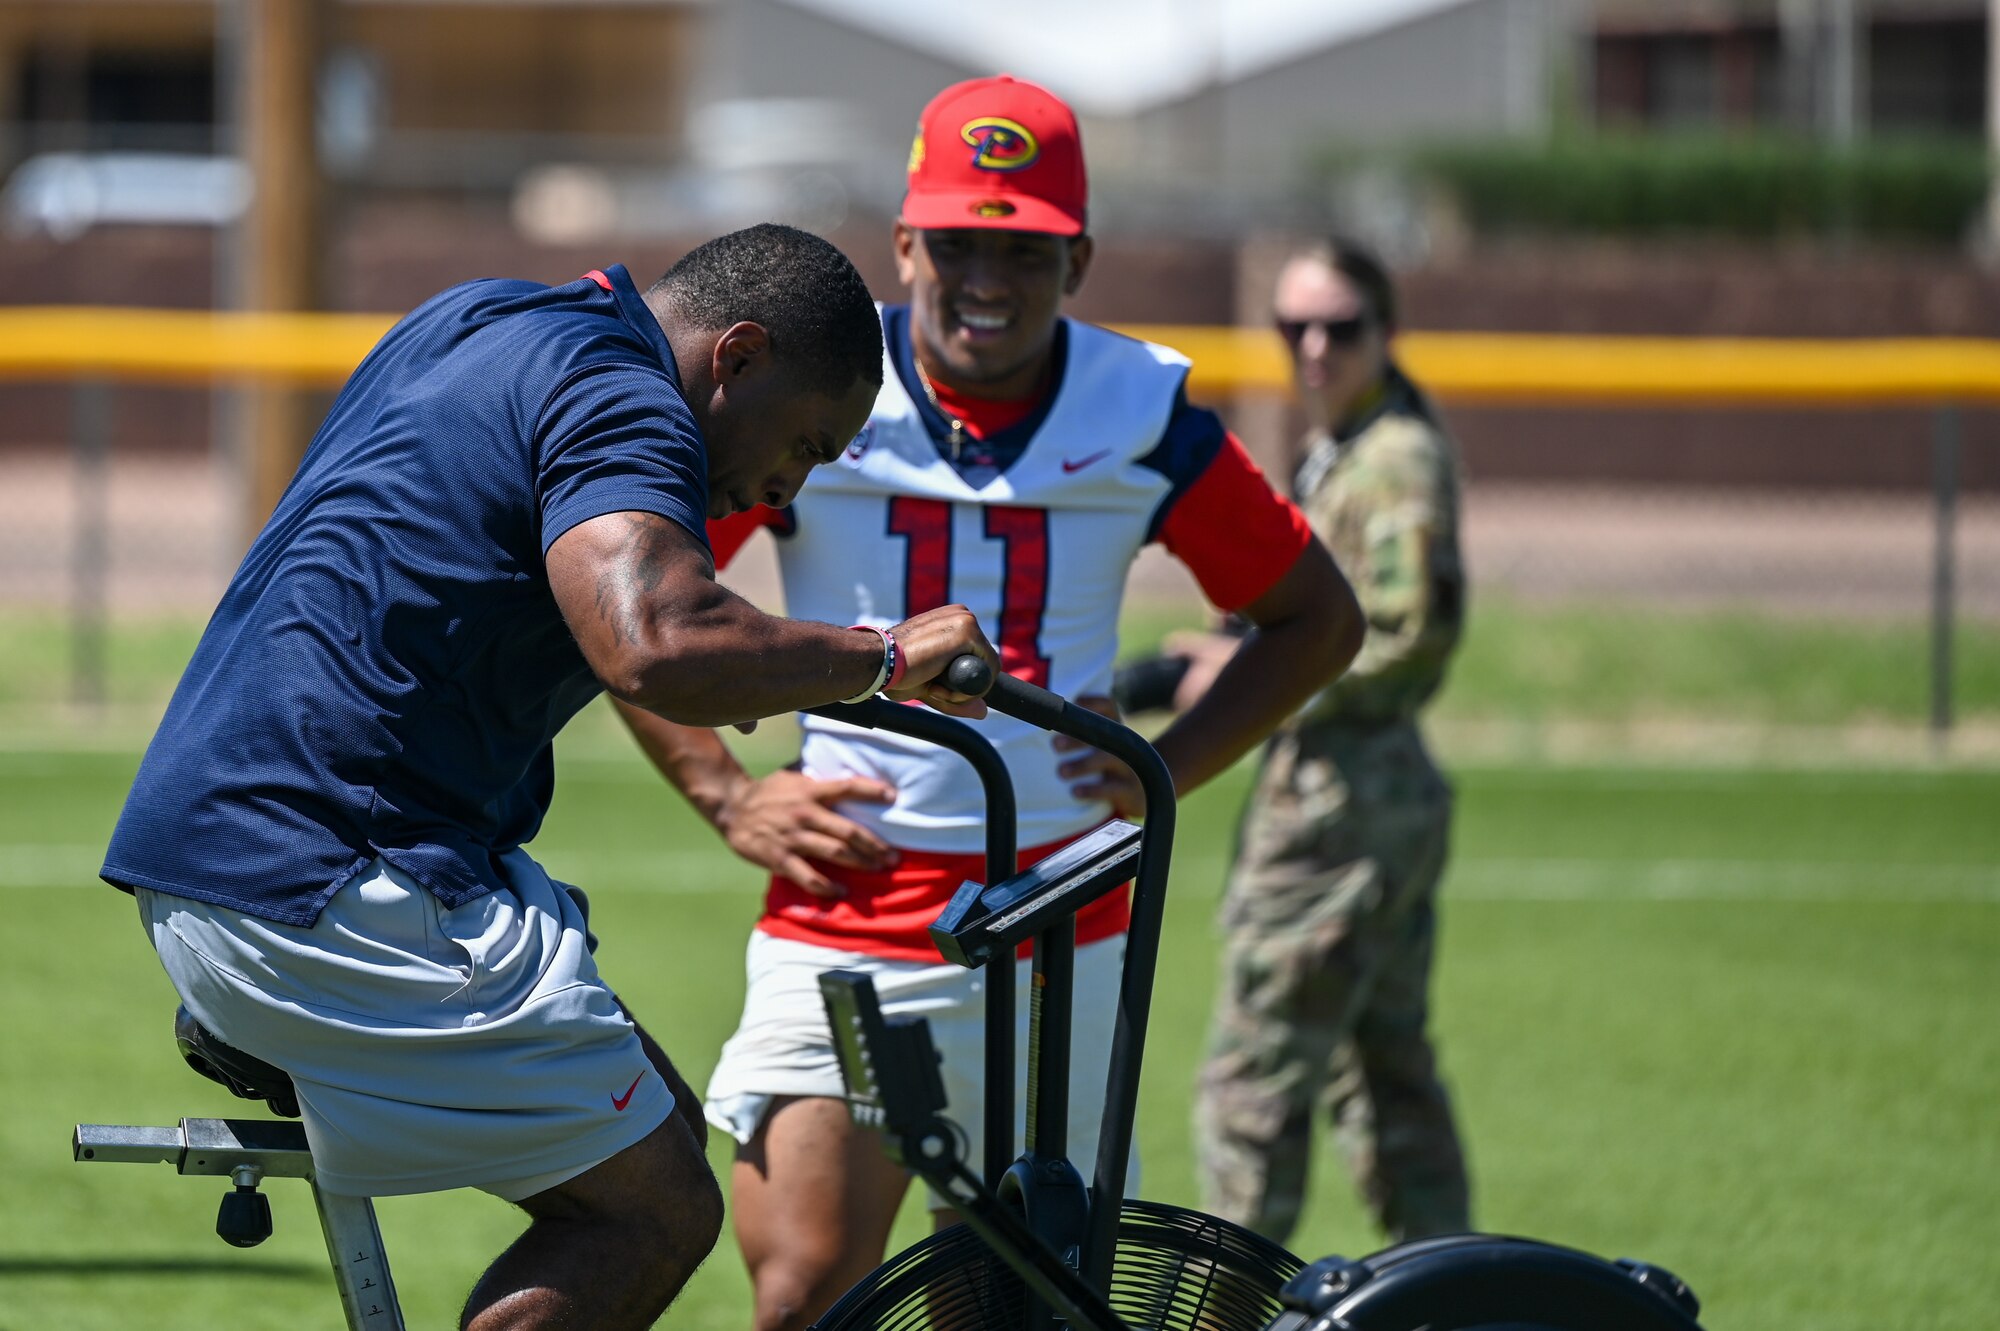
x,y
1521,662
1738,1022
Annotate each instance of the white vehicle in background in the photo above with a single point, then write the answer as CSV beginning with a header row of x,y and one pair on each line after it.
x,y
65,194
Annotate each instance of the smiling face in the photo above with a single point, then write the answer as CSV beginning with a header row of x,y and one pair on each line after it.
x,y
1340,349
984,303
765,431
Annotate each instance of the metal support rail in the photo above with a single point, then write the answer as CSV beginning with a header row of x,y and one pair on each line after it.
x,y
248,1151
1002,851
1039,707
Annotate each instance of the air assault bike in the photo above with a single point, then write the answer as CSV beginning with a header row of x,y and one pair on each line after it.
x,y
1039,1248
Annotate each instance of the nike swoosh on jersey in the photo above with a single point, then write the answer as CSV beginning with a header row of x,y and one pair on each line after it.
x,y
1078,464
618,1102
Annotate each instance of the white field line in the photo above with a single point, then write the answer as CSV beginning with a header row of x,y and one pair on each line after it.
x,y
27,865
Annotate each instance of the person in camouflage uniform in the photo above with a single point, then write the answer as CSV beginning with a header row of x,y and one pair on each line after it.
x,y
1331,906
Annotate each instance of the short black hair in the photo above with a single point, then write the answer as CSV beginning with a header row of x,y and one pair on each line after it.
x,y
803,290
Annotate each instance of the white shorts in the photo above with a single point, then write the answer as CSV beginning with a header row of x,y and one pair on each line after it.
x,y
431,1048
784,1047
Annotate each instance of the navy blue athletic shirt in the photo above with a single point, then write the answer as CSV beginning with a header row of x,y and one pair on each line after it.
x,y
388,667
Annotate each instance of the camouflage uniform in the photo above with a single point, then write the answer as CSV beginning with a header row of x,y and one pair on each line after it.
x,y
1331,908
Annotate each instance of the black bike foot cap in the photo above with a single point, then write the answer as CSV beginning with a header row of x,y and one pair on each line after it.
x,y
245,1218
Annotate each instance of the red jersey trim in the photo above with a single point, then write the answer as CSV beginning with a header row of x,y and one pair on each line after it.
x,y
1235,533
889,914
726,536
597,275
984,417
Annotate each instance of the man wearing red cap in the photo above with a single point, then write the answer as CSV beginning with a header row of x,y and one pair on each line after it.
x,y
1016,461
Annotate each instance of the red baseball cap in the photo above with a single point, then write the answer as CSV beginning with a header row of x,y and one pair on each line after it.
x,y
1000,153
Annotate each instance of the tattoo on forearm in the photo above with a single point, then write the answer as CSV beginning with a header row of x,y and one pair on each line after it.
x,y
646,549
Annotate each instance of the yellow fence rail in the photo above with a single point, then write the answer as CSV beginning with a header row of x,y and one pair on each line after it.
x,y
197,347
183,346
1551,368
99,347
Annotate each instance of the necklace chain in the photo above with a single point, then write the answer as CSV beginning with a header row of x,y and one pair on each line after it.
x,y
957,425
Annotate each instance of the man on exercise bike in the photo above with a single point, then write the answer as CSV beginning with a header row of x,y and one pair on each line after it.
x,y
501,517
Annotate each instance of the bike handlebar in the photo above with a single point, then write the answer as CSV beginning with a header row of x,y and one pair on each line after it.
x,y
1016,697
969,674
1039,707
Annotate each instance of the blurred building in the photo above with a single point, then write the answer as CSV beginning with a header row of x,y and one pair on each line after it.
x,y
539,138
424,96
1199,116
591,118
1838,68
659,114
463,137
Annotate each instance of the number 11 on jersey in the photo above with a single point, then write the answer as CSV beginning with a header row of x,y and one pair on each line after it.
x,y
1023,534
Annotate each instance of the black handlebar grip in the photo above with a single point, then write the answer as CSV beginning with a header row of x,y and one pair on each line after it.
x,y
1015,697
1026,702
969,674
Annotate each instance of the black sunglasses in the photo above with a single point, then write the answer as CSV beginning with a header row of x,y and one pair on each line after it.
x,y
1338,332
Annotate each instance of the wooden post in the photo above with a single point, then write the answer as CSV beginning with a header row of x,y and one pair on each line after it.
x,y
283,233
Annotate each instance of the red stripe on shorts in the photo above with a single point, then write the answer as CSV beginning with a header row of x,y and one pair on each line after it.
x,y
889,914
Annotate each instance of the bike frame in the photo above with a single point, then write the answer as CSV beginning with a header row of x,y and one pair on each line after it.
x,y
1018,1205
1067,1234
247,1151
1002,852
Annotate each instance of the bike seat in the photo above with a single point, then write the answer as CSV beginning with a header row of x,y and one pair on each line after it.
x,y
252,1078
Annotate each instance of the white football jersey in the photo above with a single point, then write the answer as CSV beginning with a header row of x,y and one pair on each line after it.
x,y
1040,554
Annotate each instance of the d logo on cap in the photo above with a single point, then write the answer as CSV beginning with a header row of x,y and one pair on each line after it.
x,y
999,153
1000,144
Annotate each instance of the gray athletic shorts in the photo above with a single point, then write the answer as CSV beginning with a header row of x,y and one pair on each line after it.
x,y
431,1048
